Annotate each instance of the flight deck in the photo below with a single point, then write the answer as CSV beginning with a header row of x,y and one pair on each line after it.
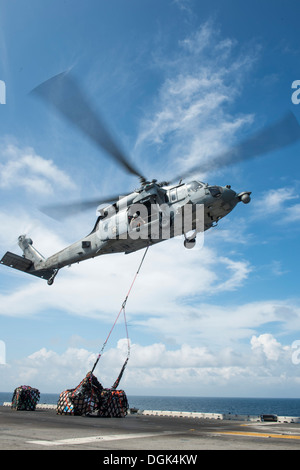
x,y
44,429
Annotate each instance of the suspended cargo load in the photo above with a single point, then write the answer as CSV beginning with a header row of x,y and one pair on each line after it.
x,y
114,404
82,400
89,397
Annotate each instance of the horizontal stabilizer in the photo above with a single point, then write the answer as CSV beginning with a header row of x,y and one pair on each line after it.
x,y
23,264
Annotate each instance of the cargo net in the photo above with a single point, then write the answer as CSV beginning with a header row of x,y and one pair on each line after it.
x,y
25,398
89,397
114,404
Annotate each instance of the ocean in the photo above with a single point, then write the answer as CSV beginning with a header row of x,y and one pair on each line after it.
x,y
243,406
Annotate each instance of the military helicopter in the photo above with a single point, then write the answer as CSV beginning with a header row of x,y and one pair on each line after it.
x,y
154,212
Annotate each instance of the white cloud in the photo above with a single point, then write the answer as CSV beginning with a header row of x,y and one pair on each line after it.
x,y
159,370
49,370
292,214
221,326
157,355
199,40
22,167
274,201
240,271
169,279
190,114
18,222
268,344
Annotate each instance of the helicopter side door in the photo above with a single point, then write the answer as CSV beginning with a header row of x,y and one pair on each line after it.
x,y
177,194
143,216
114,226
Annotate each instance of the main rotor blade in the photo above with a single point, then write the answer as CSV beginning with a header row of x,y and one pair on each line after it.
x,y
276,136
62,211
64,93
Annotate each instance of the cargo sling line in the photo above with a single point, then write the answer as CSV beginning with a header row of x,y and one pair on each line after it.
x,y
128,342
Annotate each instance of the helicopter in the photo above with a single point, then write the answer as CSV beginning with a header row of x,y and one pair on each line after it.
x,y
152,213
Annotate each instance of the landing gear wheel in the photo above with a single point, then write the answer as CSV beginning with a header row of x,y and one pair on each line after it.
x,y
189,243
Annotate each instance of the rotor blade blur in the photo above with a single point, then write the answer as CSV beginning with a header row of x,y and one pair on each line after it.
x,y
63,92
274,137
62,211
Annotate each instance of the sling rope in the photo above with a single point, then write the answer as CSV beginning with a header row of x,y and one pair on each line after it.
x,y
122,310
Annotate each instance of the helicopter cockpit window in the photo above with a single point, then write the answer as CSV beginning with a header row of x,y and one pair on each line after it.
x,y
215,191
194,186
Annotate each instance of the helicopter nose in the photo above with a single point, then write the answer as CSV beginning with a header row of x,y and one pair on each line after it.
x,y
228,195
231,197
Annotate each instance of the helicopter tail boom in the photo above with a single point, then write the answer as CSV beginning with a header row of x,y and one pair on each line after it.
x,y
30,262
23,264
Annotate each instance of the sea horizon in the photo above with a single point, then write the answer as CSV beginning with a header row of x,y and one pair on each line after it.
x,y
234,405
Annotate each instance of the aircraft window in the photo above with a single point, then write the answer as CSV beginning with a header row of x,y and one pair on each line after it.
x,y
193,186
215,191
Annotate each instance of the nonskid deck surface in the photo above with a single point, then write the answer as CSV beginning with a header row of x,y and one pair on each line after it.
x,y
43,429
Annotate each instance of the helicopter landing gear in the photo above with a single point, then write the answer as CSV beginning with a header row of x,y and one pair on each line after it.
x,y
190,242
51,279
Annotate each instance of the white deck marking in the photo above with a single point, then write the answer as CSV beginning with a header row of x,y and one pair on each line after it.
x,y
88,439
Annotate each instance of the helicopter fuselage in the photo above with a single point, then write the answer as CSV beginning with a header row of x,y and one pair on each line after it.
x,y
147,216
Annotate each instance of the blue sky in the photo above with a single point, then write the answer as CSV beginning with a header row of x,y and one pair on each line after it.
x,y
178,81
